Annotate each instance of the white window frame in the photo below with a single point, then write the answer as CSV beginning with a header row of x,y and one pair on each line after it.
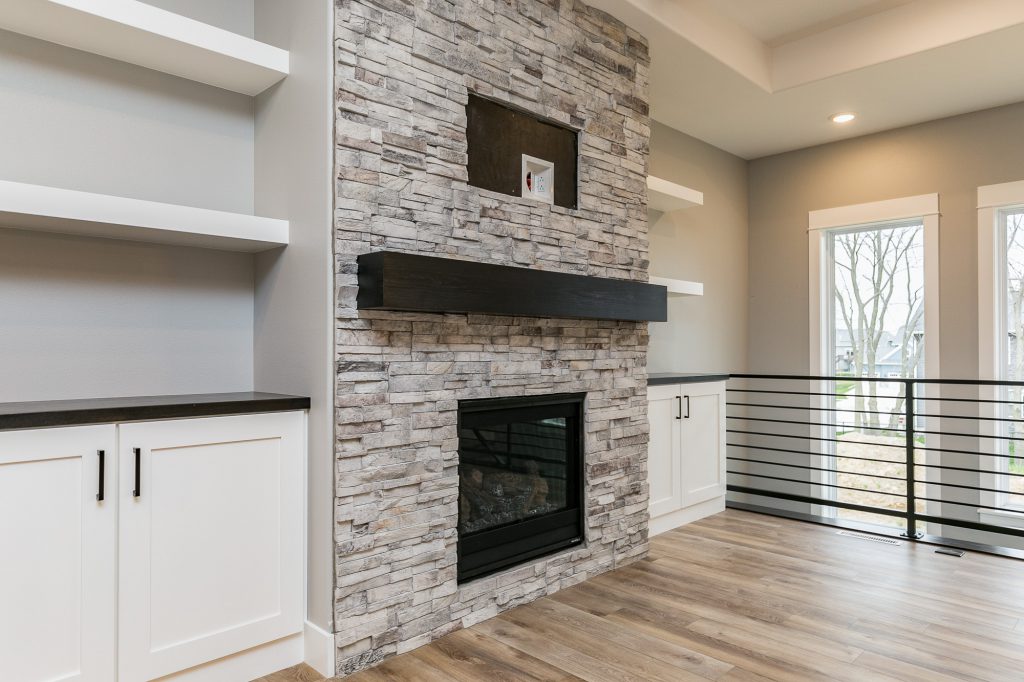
x,y
993,201
821,223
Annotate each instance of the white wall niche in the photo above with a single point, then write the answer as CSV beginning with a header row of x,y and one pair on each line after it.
x,y
538,181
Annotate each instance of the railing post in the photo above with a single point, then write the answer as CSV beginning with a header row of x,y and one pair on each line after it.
x,y
908,407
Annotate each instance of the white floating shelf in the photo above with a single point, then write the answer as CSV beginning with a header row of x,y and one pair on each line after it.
x,y
679,287
49,209
666,196
141,34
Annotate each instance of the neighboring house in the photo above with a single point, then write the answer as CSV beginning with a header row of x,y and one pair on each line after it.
x,y
888,357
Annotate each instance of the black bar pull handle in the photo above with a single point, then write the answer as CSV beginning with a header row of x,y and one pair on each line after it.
x,y
687,408
99,488
679,407
138,472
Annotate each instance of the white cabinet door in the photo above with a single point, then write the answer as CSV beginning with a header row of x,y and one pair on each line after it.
x,y
703,442
57,542
663,462
211,539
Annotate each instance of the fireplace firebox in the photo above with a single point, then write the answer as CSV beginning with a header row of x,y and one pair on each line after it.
x,y
520,480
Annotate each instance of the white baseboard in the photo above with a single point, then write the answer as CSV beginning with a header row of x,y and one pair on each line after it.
x,y
319,649
246,665
681,517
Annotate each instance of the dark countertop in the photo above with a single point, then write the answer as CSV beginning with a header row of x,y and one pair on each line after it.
x,y
48,413
683,378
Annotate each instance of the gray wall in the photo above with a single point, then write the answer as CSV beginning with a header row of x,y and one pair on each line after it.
x,y
294,300
952,157
81,317
705,243
79,121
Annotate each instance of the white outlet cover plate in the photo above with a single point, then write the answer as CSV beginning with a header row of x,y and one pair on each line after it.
x,y
538,179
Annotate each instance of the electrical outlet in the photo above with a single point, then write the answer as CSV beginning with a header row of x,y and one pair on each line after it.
x,y
538,179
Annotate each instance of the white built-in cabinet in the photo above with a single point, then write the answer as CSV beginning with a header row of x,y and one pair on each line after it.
x,y
686,453
208,559
196,546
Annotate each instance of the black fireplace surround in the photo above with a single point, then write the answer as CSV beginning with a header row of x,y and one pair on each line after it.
x,y
520,480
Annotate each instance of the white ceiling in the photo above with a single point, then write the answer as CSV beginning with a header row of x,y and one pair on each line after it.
x,y
758,77
778,21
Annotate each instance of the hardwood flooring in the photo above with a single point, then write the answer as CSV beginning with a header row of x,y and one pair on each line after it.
x,y
742,597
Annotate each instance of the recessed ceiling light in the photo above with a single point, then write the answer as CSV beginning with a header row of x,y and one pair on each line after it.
x,y
845,117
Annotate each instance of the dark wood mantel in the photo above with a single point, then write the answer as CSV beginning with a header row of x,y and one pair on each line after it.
x,y
406,282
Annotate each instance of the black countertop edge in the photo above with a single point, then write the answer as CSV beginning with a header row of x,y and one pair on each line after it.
x,y
49,413
683,378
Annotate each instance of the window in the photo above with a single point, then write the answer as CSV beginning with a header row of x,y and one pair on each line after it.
x,y
874,289
1012,224
1001,344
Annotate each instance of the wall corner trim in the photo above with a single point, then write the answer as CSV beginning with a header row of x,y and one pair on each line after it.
x,y
318,649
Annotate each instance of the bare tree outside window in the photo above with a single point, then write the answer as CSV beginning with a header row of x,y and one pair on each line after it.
x,y
879,309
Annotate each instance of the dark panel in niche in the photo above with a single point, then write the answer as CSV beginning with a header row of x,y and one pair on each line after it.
x,y
498,136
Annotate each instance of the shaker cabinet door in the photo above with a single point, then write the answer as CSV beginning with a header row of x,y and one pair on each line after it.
x,y
703,443
58,529
211,539
663,461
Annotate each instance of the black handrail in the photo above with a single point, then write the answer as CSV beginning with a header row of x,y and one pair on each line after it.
x,y
758,442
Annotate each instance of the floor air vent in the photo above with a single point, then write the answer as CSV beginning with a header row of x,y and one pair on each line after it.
x,y
872,538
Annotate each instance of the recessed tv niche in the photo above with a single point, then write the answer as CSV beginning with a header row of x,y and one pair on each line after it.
x,y
510,150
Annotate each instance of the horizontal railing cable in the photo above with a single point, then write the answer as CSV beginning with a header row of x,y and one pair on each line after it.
x,y
971,400
795,497
803,393
959,485
814,483
967,469
965,504
803,423
808,468
957,434
1009,420
818,438
952,451
881,380
816,454
816,409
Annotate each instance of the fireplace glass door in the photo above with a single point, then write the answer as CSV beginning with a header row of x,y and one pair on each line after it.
x,y
520,477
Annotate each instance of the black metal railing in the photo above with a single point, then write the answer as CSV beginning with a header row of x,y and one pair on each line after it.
x,y
930,459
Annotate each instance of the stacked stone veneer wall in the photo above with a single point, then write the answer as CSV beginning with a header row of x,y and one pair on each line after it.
x,y
404,69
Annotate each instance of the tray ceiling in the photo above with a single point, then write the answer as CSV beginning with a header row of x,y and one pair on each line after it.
x,y
757,82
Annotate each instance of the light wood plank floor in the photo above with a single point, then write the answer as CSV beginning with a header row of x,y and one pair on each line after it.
x,y
746,597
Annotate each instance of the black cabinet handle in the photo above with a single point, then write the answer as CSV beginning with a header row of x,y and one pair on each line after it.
x,y
138,472
99,488
679,407
687,408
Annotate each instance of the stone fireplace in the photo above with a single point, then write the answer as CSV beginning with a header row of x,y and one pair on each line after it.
x,y
415,485
520,480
